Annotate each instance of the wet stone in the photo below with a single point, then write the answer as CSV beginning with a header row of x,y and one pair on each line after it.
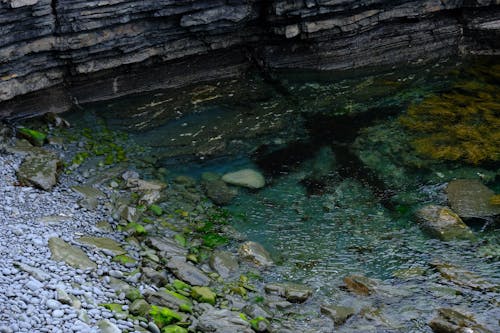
x,y
187,272
339,314
255,253
245,178
360,285
293,292
71,255
453,321
464,278
471,199
443,223
224,263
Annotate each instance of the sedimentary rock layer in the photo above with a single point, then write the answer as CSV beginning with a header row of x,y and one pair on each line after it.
x,y
70,51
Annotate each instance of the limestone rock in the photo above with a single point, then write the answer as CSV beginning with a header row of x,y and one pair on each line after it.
x,y
71,255
293,292
339,314
103,243
39,171
187,272
443,223
224,263
453,321
245,178
470,198
222,321
254,252
105,326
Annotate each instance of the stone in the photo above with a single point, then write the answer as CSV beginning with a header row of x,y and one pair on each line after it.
x,y
39,171
453,321
108,327
167,298
145,185
34,272
255,253
463,278
90,195
224,263
293,292
245,178
443,223
204,295
63,297
71,255
139,307
360,285
339,314
187,272
102,243
158,278
222,321
53,304
167,247
218,191
471,199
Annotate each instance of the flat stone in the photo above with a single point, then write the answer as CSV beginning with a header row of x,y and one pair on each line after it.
x,y
360,285
187,272
293,292
245,178
108,327
102,243
470,198
463,278
136,184
34,285
222,321
39,171
339,314
90,195
166,298
34,272
167,247
224,263
441,222
453,321
71,255
255,253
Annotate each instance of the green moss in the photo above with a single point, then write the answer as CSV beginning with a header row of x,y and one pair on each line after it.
x,y
116,308
136,229
181,285
157,210
133,294
164,316
204,295
35,137
124,259
255,323
213,240
181,240
174,329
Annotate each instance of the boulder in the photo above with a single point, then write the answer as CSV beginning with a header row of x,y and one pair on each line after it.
x,y
443,223
218,191
246,178
360,285
293,292
102,243
254,252
187,272
224,263
39,170
469,198
339,314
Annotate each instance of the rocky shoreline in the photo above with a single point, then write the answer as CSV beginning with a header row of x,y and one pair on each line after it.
x,y
57,54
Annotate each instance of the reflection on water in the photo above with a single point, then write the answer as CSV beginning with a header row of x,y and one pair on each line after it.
x,y
343,179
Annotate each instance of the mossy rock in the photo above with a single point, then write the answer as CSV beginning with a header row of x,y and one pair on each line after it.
x,y
139,307
174,329
35,137
164,316
133,294
157,210
204,295
124,259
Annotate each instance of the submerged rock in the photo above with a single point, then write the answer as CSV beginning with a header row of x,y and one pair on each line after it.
x,y
245,178
360,285
71,255
443,223
218,191
90,195
471,199
255,253
39,170
462,277
453,321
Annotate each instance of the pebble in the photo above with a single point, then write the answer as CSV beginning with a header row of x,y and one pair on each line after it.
x,y
53,304
34,285
58,313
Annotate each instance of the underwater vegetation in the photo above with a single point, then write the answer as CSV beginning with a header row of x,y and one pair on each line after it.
x,y
462,123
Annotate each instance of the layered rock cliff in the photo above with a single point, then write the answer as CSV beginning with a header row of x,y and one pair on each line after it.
x,y
54,53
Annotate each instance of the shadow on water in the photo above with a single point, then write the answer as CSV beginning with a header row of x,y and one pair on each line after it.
x,y
337,132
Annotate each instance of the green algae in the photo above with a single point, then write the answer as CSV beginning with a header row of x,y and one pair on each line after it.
x,y
163,316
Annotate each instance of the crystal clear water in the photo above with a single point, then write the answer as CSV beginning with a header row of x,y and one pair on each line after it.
x,y
343,179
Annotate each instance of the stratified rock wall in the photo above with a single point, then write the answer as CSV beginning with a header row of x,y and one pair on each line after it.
x,y
83,51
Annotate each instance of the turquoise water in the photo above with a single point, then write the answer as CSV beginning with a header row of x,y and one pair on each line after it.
x,y
342,182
